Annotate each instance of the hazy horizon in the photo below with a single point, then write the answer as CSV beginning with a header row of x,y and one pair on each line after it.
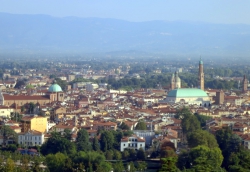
x,y
212,11
183,28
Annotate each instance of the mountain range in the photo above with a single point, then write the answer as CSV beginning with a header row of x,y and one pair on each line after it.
x,y
43,33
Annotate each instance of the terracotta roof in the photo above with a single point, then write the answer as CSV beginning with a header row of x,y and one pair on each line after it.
x,y
28,118
22,97
34,132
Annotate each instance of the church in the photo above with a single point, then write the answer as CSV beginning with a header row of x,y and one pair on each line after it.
x,y
188,95
54,93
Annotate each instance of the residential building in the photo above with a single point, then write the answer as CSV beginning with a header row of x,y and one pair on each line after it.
x,y
37,123
132,142
31,138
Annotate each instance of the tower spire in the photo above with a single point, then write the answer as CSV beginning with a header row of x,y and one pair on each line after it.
x,y
201,75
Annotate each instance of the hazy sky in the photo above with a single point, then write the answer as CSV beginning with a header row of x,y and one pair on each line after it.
x,y
214,11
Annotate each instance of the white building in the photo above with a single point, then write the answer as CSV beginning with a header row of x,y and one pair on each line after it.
x,y
31,138
117,91
132,142
6,111
189,96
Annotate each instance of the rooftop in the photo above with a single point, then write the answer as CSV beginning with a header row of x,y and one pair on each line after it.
x,y
187,92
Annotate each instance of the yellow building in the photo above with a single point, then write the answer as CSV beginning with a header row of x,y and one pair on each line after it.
x,y
37,123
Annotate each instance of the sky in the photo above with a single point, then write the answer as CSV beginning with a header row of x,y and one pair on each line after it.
x,y
212,11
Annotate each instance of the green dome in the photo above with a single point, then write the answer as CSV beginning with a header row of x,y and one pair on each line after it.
x,y
200,62
55,88
187,92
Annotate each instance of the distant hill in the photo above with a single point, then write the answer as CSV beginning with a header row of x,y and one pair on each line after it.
x,y
41,33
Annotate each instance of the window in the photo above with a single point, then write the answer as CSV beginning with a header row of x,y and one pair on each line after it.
x,y
123,144
141,145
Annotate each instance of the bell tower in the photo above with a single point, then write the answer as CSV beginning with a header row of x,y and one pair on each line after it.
x,y
244,84
172,82
201,75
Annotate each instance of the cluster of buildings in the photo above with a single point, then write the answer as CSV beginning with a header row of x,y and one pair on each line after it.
x,y
49,108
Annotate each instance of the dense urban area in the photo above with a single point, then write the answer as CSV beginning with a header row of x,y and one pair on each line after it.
x,y
124,114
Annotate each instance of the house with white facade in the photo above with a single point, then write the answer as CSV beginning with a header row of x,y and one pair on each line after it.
x,y
6,111
132,142
31,138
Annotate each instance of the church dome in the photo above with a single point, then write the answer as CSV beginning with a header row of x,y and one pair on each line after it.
x,y
187,92
55,88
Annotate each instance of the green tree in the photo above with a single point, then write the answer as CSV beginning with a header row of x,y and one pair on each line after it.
x,y
125,154
107,140
10,165
109,154
16,117
118,166
20,84
118,135
68,165
117,155
123,126
239,161
22,108
202,119
96,146
32,107
141,166
90,159
24,164
128,133
202,137
104,167
183,113
57,143
132,154
36,166
201,158
190,124
67,134
82,140
168,164
141,125
131,167
141,154
7,132
55,162
229,143
11,147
